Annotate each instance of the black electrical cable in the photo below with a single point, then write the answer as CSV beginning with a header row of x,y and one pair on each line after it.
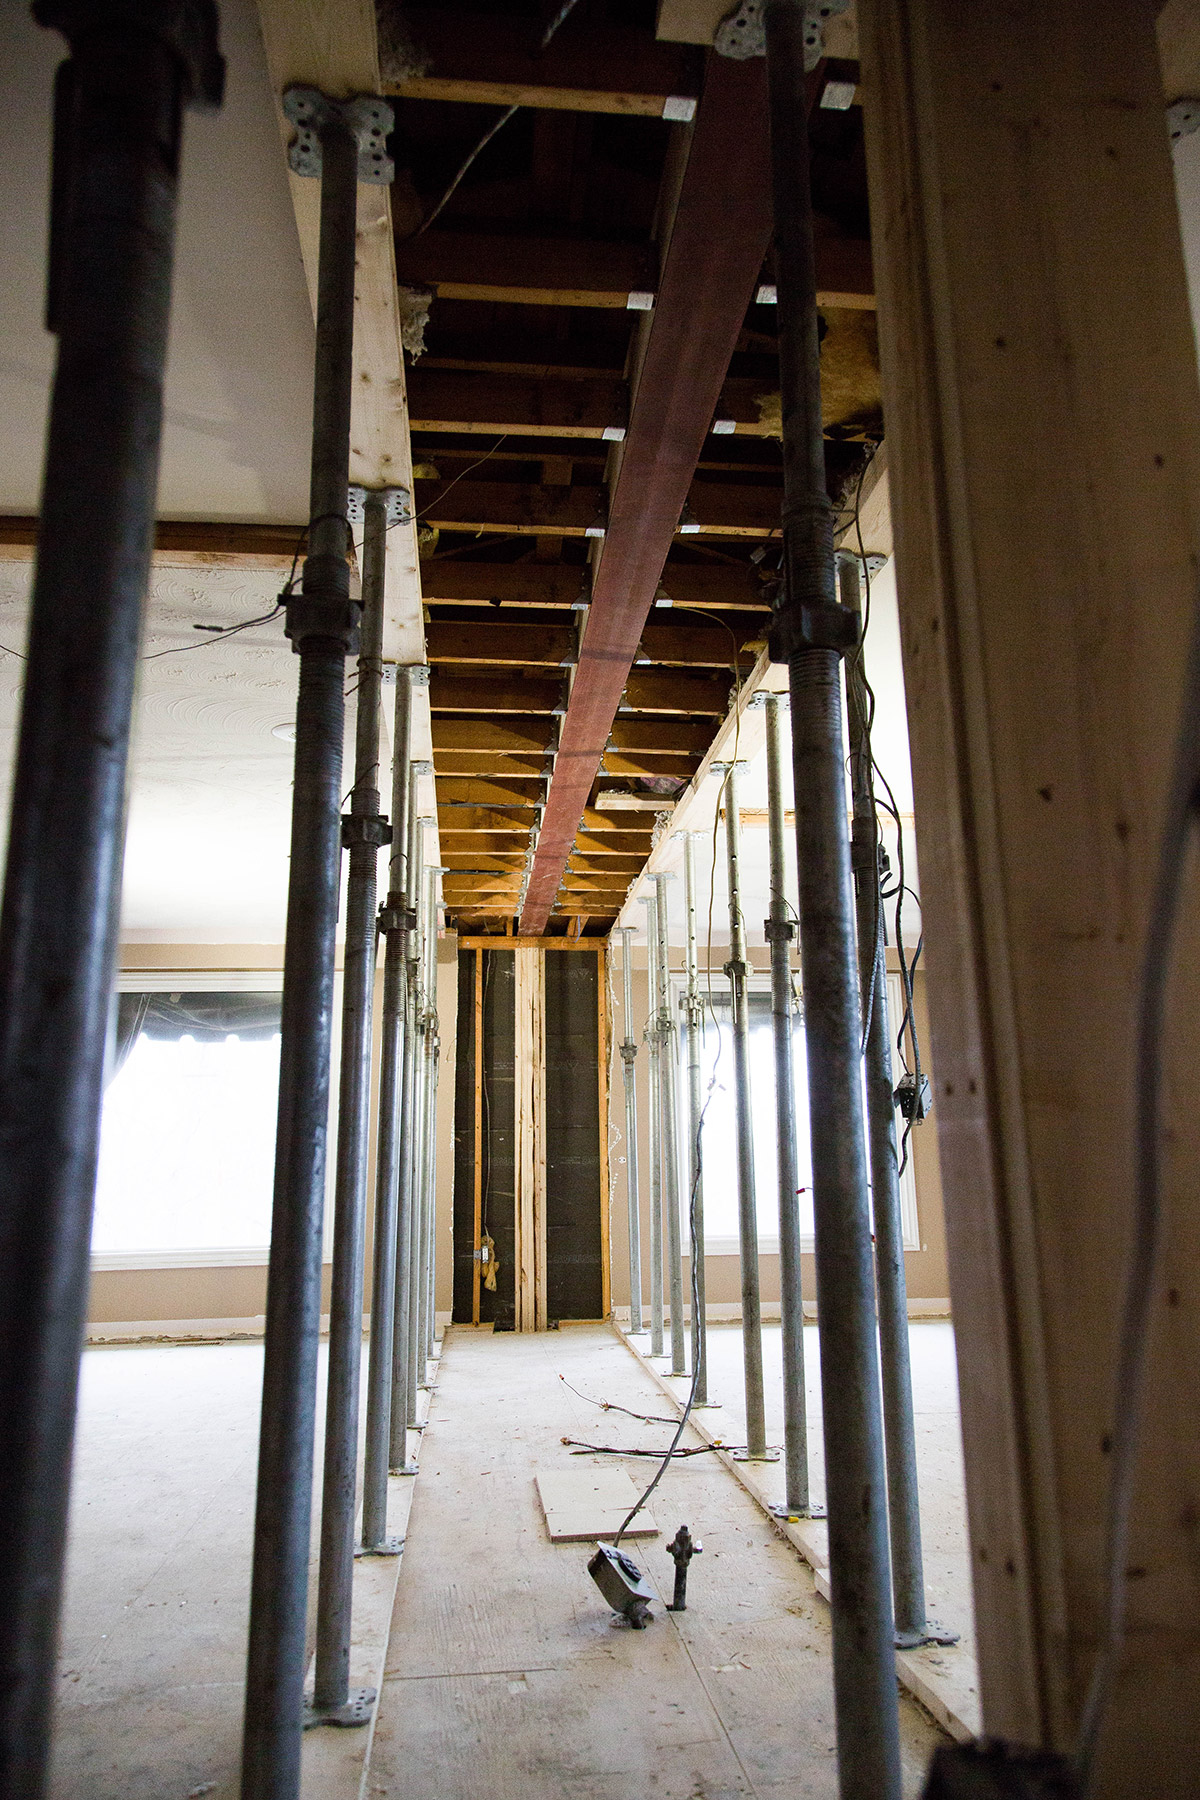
x,y
19,654
1182,813
215,638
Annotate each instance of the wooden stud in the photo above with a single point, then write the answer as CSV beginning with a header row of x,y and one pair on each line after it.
x,y
603,1053
476,1267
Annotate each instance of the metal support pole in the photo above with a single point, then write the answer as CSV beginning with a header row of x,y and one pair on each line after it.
x,y
738,971
668,1057
695,1042
811,633
428,1154
629,1068
393,925
654,1124
363,832
117,136
322,622
417,1370
404,1385
780,931
904,1507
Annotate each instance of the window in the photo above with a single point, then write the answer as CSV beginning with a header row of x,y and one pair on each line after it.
x,y
719,1140
187,1140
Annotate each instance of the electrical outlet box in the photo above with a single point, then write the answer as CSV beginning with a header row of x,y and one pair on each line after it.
x,y
622,1584
913,1097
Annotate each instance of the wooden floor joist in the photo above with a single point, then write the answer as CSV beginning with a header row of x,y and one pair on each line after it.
x,y
484,59
525,270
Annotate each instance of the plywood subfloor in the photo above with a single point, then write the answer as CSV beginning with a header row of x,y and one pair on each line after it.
x,y
506,1674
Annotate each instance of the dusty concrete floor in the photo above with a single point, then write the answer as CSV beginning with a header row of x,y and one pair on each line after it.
x,y
154,1622
507,1675
939,1446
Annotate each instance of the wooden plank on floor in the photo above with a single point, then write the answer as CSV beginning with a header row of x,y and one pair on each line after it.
x,y
583,1505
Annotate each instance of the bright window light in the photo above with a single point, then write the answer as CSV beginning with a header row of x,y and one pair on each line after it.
x,y
187,1147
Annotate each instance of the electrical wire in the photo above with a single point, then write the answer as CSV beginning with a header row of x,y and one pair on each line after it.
x,y
562,14
611,1406
579,1448
216,636
1182,813
19,654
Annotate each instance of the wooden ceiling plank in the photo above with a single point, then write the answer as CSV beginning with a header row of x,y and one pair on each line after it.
x,y
456,400
519,269
454,791
455,693
517,646
669,737
676,693
486,734
720,234
717,508
475,58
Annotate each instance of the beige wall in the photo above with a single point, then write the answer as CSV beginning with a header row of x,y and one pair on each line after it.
x,y
925,1269
146,1297
225,1295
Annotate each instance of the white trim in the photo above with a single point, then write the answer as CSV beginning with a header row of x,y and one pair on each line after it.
x,y
200,981
256,1256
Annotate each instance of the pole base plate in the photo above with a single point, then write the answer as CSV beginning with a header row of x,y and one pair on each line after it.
x,y
932,1633
388,1546
356,1710
404,1469
742,1454
791,1516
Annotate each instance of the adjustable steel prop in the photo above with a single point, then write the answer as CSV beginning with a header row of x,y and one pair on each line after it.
x,y
118,119
811,633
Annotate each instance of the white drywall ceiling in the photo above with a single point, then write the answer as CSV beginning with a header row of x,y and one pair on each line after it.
x,y
239,371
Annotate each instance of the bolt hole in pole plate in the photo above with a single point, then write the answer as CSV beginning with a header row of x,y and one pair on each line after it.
x,y
356,1711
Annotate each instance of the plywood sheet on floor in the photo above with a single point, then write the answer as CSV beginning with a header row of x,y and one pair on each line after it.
x,y
507,1675
583,1504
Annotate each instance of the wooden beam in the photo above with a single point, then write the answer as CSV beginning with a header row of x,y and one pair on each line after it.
x,y
595,945
458,401
561,585
470,862
668,737
676,694
464,792
334,47
604,844
185,544
643,762
460,694
449,583
484,59
523,270
457,819
1025,213
610,865
480,734
570,908
690,646
473,764
517,646
482,845
717,508
719,236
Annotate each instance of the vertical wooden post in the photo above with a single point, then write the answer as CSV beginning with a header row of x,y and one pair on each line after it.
x,y
603,1052
1043,428
477,1063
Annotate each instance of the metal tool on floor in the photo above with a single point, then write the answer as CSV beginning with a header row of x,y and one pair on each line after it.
x,y
622,1584
682,1547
